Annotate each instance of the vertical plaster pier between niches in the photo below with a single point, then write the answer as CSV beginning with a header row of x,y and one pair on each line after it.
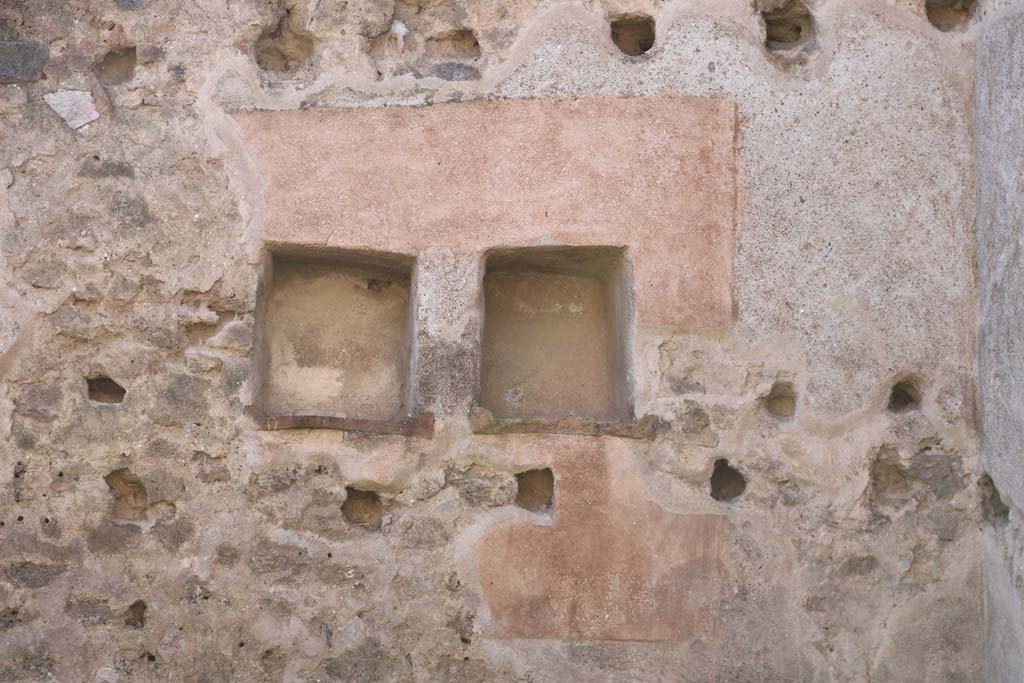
x,y
521,189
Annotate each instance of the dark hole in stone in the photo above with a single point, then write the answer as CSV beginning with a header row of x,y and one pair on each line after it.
x,y
241,644
363,508
285,47
457,44
105,390
150,657
535,490
781,400
788,26
726,481
905,396
21,518
19,469
993,509
949,15
118,66
130,497
633,33
135,615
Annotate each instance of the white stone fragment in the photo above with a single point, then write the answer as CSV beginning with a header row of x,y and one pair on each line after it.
x,y
76,107
399,31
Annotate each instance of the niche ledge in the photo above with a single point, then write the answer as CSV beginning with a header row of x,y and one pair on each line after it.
x,y
334,342
557,336
421,425
483,421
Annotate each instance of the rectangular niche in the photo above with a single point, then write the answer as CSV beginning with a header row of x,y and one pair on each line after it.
x,y
334,339
556,334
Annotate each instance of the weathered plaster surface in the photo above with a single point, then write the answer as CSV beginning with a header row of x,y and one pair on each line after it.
x,y
131,248
654,174
611,566
1000,124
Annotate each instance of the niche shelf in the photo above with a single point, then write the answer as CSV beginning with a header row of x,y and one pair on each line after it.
x,y
556,336
334,342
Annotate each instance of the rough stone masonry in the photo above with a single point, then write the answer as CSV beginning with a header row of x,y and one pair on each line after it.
x,y
533,341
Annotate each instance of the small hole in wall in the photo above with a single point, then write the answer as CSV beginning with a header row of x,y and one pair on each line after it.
x,y
993,509
949,15
535,490
781,400
726,481
130,498
905,396
135,615
287,46
118,66
458,44
363,508
633,33
789,26
105,390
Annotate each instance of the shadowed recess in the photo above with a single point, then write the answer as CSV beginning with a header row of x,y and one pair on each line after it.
x,y
949,15
130,497
905,396
284,47
105,390
363,508
457,44
135,615
789,26
726,482
781,400
117,66
555,328
993,509
633,33
334,334
535,490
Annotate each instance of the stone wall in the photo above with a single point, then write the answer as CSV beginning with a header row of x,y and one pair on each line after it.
x,y
789,488
1000,87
